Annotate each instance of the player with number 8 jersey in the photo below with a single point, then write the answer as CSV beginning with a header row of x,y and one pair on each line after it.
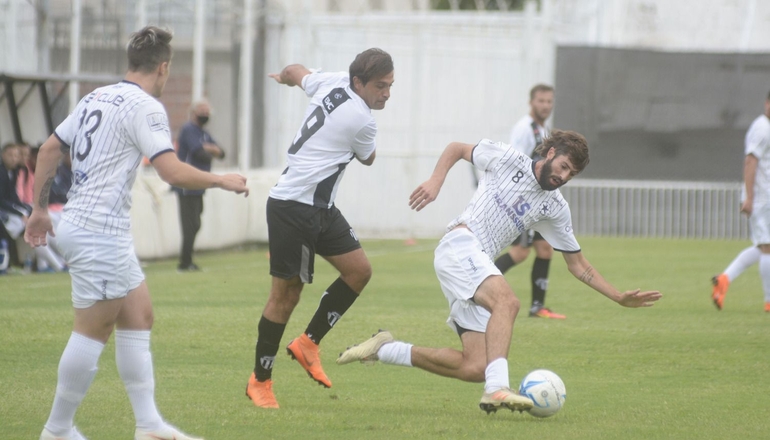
x,y
302,219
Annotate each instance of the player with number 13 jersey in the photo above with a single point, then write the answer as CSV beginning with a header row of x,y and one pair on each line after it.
x,y
134,124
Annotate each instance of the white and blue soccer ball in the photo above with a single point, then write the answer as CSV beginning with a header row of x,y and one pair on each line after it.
x,y
546,389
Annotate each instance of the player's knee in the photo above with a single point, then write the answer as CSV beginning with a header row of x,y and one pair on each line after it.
x,y
358,278
510,303
474,372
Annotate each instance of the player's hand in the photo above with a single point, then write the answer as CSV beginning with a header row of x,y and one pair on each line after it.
x,y
38,226
235,183
424,194
637,298
746,207
276,77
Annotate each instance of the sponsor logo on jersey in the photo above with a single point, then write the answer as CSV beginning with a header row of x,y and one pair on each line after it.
x,y
157,122
80,177
519,208
334,99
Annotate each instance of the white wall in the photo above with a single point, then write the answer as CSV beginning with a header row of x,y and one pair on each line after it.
x,y
228,219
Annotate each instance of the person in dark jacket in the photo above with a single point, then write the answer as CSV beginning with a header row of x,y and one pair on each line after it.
x,y
197,148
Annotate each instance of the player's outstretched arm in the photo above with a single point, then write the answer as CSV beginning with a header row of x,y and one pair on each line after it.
x,y
291,75
182,175
582,270
428,190
39,223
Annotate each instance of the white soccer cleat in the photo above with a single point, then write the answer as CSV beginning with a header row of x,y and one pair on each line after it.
x,y
505,398
168,432
366,352
74,435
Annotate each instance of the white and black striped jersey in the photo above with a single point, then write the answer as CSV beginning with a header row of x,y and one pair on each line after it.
x,y
509,201
758,144
338,126
107,134
527,134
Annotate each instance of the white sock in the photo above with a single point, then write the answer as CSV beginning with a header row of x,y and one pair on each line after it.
x,y
396,353
77,368
743,261
496,375
134,361
764,273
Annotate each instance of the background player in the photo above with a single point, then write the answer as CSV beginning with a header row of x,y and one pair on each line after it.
x,y
527,134
756,204
302,219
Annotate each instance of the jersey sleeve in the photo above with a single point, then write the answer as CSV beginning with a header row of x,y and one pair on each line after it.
x,y
557,231
363,143
67,130
486,154
521,138
314,80
758,140
149,129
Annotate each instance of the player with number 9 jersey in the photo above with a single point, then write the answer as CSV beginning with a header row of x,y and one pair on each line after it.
x,y
302,219
338,127
108,133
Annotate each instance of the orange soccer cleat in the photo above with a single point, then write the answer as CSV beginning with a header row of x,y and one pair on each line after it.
x,y
305,351
545,312
261,393
721,283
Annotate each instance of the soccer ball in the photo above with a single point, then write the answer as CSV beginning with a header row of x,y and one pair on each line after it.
x,y
546,389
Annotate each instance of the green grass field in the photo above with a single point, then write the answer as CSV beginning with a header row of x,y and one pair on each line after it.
x,y
679,370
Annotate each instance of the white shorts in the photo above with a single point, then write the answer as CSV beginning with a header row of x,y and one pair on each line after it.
x,y
102,266
461,266
760,224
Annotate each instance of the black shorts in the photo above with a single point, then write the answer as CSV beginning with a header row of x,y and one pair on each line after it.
x,y
297,232
527,238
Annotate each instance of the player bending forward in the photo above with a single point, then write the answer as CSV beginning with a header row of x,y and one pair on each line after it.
x,y
515,194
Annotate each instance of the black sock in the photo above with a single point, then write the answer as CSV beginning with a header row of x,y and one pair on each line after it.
x,y
504,262
540,280
268,340
334,303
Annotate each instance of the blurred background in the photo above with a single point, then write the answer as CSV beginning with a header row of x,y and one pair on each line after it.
x,y
663,90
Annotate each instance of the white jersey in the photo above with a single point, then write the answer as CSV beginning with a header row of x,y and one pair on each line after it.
x,y
338,127
108,133
509,201
523,137
758,145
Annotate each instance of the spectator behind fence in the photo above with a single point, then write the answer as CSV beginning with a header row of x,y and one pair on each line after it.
x,y
13,213
47,258
197,148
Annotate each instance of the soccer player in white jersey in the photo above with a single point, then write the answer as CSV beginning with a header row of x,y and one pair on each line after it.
x,y
106,136
303,221
527,134
756,204
514,194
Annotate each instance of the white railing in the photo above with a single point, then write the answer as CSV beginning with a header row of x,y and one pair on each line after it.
x,y
632,208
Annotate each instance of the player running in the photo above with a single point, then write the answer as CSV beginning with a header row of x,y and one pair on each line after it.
x,y
303,221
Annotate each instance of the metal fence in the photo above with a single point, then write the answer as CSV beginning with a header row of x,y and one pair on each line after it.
x,y
656,209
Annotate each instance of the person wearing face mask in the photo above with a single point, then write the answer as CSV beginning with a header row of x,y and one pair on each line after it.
x,y
197,148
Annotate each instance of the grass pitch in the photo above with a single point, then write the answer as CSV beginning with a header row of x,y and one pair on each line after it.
x,y
679,370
